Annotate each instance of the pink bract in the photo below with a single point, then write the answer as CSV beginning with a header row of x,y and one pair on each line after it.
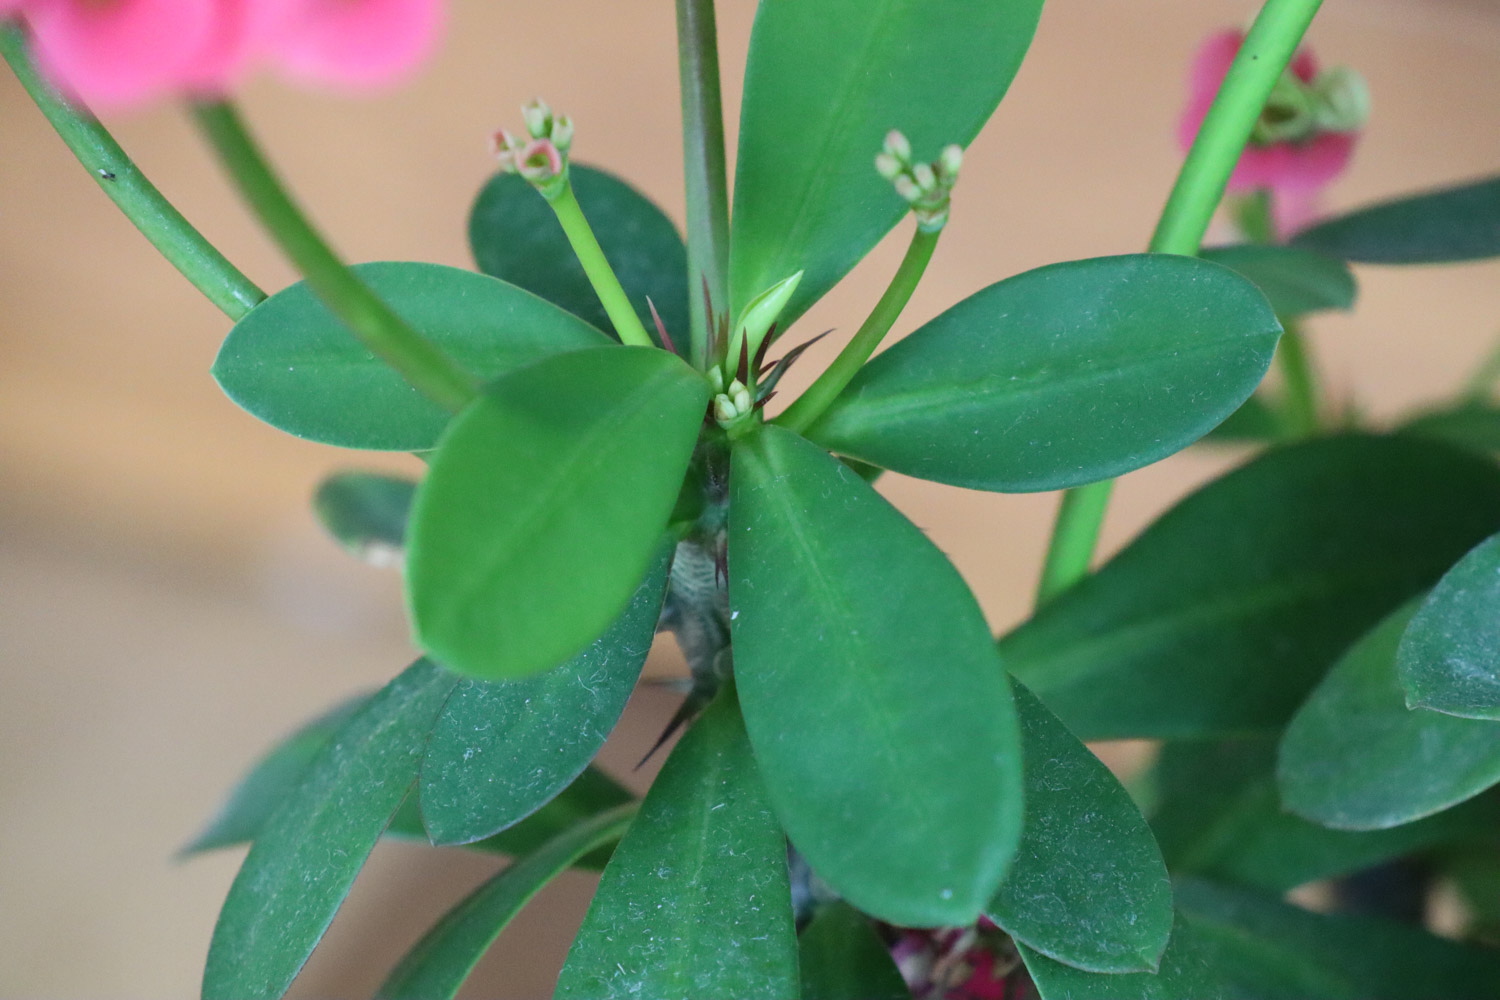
x,y
1294,172
356,44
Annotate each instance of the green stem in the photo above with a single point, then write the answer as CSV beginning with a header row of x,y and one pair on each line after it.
x,y
820,395
703,167
182,245
1267,49
428,369
1301,405
606,285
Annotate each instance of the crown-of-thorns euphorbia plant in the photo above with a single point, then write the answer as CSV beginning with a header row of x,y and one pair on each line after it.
x,y
871,797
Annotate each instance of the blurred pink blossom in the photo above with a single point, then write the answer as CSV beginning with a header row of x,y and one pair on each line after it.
x,y
1294,170
116,54
960,963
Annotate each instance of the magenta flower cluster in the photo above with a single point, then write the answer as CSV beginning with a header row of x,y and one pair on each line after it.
x,y
114,54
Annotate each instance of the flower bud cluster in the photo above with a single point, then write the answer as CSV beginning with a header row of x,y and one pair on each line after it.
x,y
1335,100
542,158
926,187
731,402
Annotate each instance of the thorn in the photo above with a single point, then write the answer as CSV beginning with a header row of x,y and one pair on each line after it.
x,y
661,328
765,345
763,400
786,361
721,565
742,370
678,720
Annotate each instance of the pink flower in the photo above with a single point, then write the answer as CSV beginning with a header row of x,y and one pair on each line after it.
x,y
1305,138
114,54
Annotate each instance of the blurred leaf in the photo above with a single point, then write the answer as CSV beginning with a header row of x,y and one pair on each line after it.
x,y
1219,815
366,513
825,80
438,964
1436,227
1356,758
880,714
544,504
1088,886
1061,376
1293,280
843,958
695,902
1449,659
502,749
1468,425
1223,614
1254,421
293,365
304,861
516,237
1188,971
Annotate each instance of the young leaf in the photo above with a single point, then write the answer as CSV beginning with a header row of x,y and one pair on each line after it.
x,y
1219,815
1293,280
290,363
304,861
366,513
1088,886
1449,659
1435,227
515,236
543,505
1063,375
844,959
1356,758
437,965
1223,614
695,902
826,80
502,749
880,714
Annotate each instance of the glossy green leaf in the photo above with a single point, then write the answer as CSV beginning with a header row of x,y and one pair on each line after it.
x,y
543,505
1188,971
438,965
1219,815
290,363
1063,375
695,902
366,513
1449,659
1088,886
1356,758
516,237
1295,281
502,749
1470,425
1451,224
1223,614
826,80
880,714
304,861
843,958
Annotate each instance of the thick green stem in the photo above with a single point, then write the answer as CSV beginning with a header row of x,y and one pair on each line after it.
x,y
606,285
703,167
1267,49
820,395
428,369
1301,406
182,245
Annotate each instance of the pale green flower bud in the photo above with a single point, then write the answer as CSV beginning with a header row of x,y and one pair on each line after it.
x,y
724,409
538,118
888,166
925,178
949,162
897,145
1342,102
562,132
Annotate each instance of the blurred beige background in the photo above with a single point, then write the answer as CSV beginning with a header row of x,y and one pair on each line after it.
x,y
167,604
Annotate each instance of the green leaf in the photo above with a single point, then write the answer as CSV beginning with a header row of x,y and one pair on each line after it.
x,y
1088,886
304,861
516,237
544,504
1435,227
438,964
1449,659
1188,971
1223,614
1255,421
825,81
1356,758
366,513
502,749
1469,425
1219,815
843,958
1060,376
695,902
880,714
1295,281
290,363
